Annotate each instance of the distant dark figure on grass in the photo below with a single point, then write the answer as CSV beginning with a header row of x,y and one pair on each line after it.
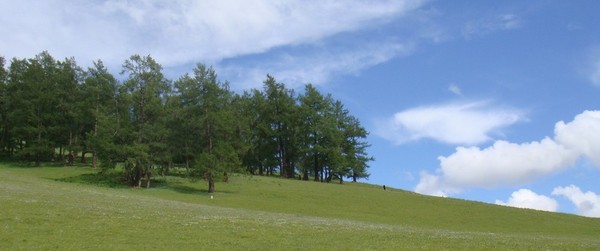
x,y
383,187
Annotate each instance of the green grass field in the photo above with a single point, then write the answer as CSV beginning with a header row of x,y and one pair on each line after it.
x,y
58,208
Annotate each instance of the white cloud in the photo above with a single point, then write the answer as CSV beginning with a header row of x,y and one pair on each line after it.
x,y
456,123
183,31
434,185
525,198
506,163
587,204
582,134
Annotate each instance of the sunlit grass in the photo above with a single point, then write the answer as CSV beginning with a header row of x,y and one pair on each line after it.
x,y
71,209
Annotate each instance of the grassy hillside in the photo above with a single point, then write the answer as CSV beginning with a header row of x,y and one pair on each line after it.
x,y
72,209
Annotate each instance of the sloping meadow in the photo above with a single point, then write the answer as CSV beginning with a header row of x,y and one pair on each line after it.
x,y
38,212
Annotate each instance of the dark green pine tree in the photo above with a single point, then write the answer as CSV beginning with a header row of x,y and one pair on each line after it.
x,y
313,110
351,157
207,118
145,91
5,147
336,161
67,125
97,106
279,117
32,102
333,139
355,148
259,154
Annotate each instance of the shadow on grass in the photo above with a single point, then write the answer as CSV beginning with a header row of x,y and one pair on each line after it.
x,y
115,180
112,180
31,165
186,189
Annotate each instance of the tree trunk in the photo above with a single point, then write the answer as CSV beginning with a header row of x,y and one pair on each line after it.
x,y
187,164
282,159
71,158
316,168
61,153
138,177
83,160
148,174
305,174
94,159
94,153
38,161
211,182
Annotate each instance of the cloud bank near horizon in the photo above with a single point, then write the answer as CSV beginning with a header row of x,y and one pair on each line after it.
x,y
505,163
525,198
586,203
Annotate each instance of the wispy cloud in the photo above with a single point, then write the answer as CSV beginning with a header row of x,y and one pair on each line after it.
x,y
589,67
491,24
453,88
455,123
594,71
506,163
317,66
184,31
525,198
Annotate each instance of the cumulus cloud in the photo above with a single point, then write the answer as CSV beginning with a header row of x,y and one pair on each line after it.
x,y
456,123
525,198
434,185
587,203
506,163
582,134
183,31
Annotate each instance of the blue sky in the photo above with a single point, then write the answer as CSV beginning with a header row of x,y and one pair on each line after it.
x,y
494,101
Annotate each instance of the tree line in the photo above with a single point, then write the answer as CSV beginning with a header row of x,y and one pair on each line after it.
x,y
52,110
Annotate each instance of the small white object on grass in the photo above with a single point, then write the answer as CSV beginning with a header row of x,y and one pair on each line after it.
x,y
211,197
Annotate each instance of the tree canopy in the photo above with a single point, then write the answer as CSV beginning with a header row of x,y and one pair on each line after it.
x,y
53,110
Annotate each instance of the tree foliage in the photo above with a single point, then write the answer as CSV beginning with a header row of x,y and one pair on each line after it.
x,y
52,109
206,124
